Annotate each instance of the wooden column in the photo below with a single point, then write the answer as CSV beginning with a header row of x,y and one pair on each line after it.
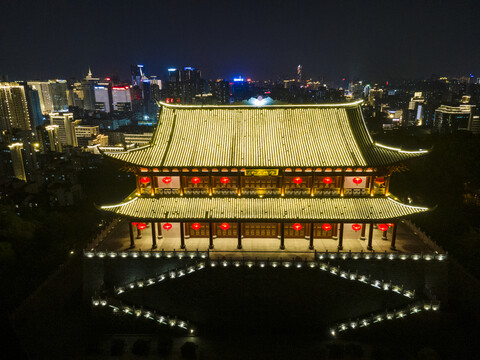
x,y
362,236
137,178
239,185
384,235
159,230
182,235
387,184
210,190
394,236
210,235
282,185
370,237
342,185
312,190
239,235
312,231
182,179
152,185
282,236
154,236
372,185
340,237
132,237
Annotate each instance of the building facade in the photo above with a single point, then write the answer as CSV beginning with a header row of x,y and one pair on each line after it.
x,y
277,172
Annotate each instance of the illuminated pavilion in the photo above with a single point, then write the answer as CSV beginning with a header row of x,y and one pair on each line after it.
x,y
278,171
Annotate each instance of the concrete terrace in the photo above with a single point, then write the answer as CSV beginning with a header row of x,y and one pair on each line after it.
x,y
407,242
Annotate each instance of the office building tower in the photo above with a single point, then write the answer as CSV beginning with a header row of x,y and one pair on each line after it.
x,y
220,91
44,94
102,97
299,74
17,161
453,118
66,127
13,107
54,138
58,90
138,72
184,85
34,108
121,98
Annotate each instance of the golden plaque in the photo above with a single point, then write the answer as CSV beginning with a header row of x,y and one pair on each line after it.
x,y
261,172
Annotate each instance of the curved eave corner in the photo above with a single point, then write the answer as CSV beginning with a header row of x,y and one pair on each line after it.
x,y
402,153
126,156
114,208
415,209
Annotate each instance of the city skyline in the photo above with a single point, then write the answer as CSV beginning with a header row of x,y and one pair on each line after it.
x,y
260,40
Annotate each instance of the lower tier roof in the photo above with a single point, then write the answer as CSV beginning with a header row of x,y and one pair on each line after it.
x,y
271,209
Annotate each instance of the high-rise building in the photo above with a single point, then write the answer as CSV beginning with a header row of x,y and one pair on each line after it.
x,y
17,161
121,98
185,85
66,127
102,97
54,138
299,74
44,94
34,108
138,72
452,118
58,89
220,90
13,107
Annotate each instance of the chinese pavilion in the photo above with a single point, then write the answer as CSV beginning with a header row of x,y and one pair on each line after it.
x,y
278,171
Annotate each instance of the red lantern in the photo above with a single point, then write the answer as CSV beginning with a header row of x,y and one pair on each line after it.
x,y
357,180
195,180
167,180
297,226
134,223
327,180
225,226
356,227
167,226
297,180
327,227
145,180
196,226
390,224
380,180
224,180
383,227
141,226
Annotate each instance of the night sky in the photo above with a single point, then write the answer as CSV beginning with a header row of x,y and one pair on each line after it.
x,y
260,39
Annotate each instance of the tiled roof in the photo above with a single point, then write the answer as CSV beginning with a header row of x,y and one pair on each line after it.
x,y
268,137
280,209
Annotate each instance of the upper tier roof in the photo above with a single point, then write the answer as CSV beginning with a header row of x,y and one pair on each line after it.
x,y
276,136
255,209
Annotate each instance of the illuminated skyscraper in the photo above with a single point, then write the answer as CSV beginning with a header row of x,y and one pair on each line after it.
x,y
103,97
17,161
43,88
299,73
138,72
66,127
121,98
13,107
58,90
54,138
